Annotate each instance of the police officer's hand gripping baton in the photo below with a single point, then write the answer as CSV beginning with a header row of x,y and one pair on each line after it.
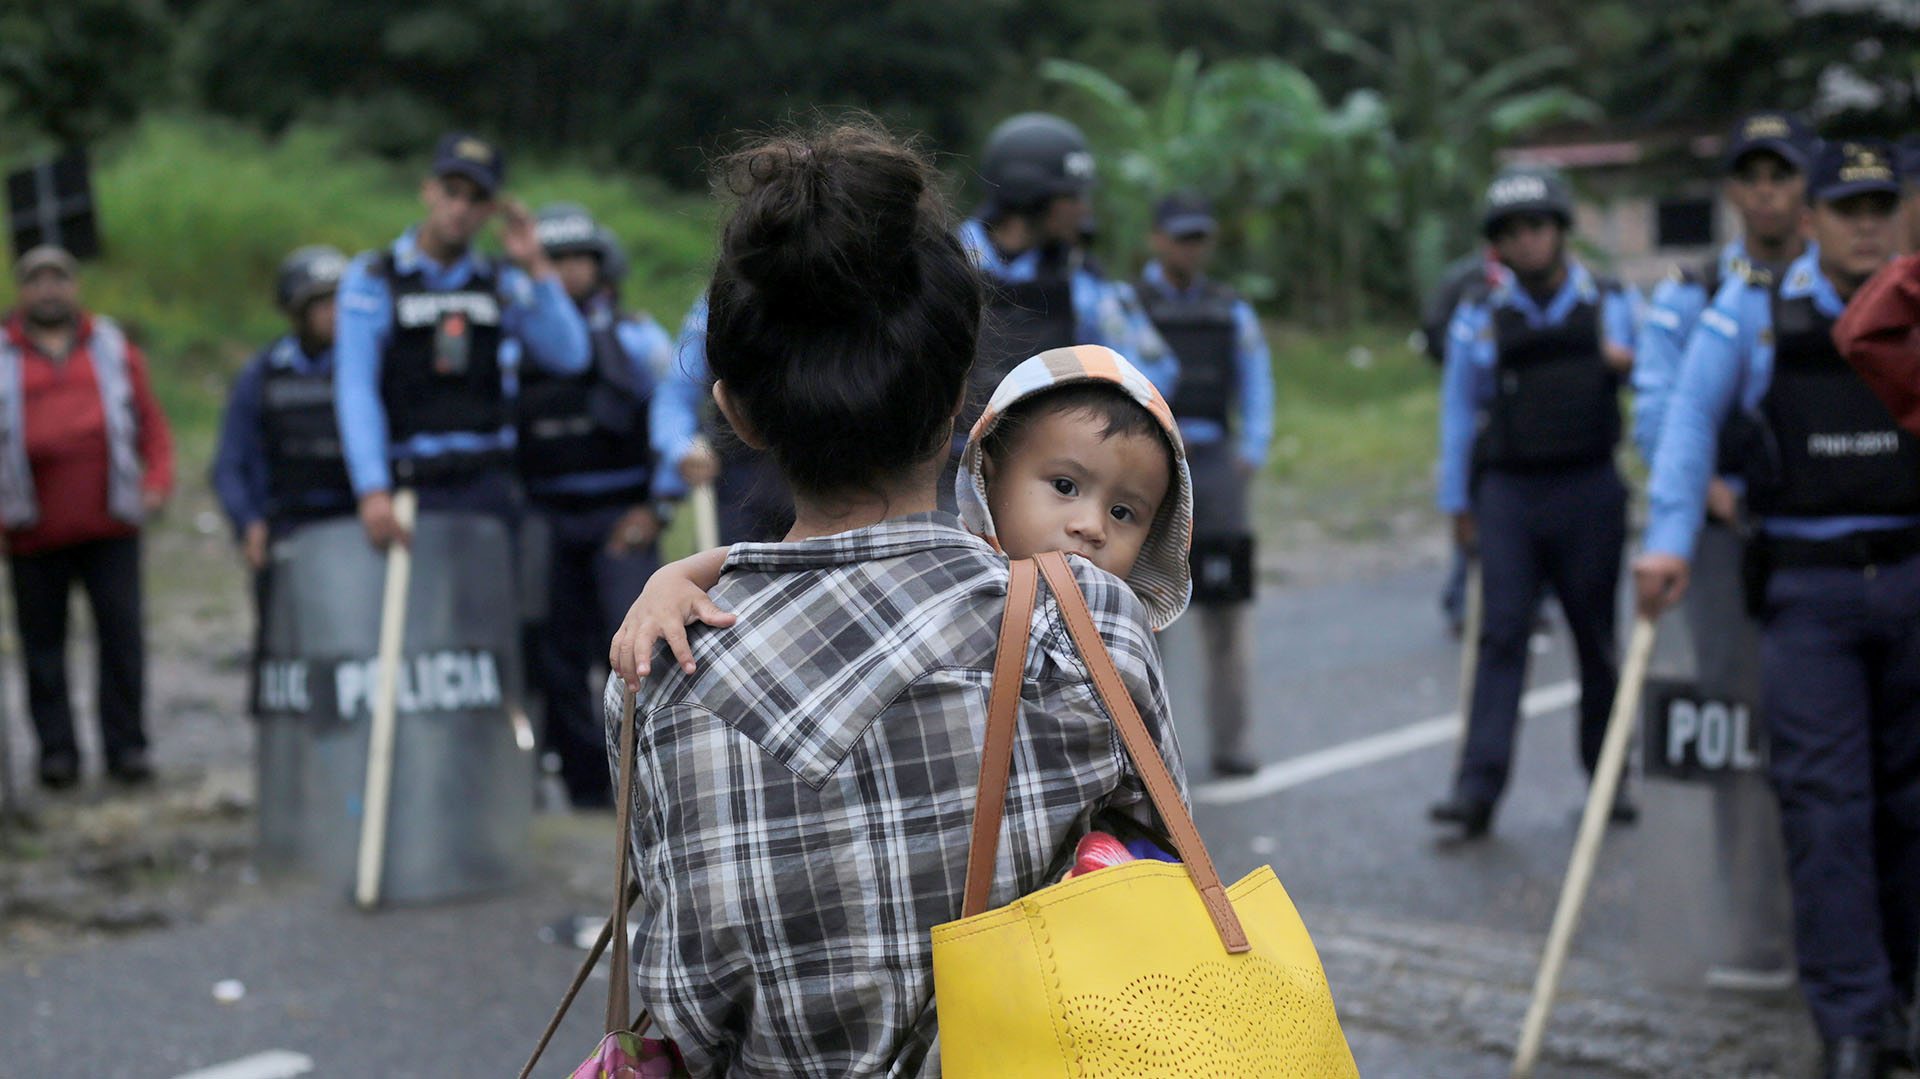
x,y
1586,848
380,736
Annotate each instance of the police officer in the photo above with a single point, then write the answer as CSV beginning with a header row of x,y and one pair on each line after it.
x,y
1836,580
1045,291
587,465
695,447
278,464
1529,420
1765,167
419,388
1224,406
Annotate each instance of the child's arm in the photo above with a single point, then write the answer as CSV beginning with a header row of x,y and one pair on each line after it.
x,y
675,598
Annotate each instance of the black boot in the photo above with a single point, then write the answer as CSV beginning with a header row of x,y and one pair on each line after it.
x,y
1473,816
1852,1058
59,769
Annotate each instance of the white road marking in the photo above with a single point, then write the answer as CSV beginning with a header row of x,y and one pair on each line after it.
x,y
1321,763
272,1064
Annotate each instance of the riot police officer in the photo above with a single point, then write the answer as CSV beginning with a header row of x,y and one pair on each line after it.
x,y
1529,420
695,447
587,465
1224,406
1765,167
419,388
1045,291
279,464
1834,573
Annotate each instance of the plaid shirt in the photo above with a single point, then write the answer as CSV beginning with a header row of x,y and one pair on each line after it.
x,y
802,803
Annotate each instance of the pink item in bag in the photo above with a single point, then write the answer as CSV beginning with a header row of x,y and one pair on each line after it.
x,y
1098,850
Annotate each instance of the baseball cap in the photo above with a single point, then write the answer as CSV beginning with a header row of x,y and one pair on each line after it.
x,y
42,257
460,154
1847,167
1184,213
1773,131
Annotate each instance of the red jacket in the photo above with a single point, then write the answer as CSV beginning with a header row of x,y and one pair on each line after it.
x,y
1879,334
66,437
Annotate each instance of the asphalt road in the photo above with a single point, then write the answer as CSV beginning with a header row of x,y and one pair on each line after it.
x,y
1430,946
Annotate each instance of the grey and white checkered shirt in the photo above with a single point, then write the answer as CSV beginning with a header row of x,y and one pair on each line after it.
x,y
802,802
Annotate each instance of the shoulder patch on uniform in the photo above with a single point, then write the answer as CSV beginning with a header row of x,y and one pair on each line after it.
x,y
1801,278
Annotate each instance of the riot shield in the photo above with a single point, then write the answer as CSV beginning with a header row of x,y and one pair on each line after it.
x,y
462,798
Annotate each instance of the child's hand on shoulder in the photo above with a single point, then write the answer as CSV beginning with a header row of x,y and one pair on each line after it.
x,y
675,598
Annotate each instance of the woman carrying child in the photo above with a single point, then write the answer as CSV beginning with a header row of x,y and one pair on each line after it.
x,y
805,777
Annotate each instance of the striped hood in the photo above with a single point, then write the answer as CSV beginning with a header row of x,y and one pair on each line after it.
x,y
1161,577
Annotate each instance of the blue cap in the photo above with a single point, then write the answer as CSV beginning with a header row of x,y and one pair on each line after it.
x,y
1772,131
1184,213
460,154
1906,158
1847,167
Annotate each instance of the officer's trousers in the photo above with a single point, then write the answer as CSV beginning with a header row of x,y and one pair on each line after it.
x,y
589,589
1220,511
1565,528
1840,661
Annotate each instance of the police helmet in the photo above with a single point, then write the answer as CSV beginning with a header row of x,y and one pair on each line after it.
x,y
1526,189
566,228
1033,158
306,275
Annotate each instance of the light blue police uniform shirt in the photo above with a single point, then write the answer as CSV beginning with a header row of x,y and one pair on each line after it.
x,y
539,315
1672,312
1107,311
1253,368
1467,382
1729,364
649,351
674,419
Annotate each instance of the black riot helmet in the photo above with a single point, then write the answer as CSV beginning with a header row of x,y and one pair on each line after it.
x,y
1526,189
1031,159
306,275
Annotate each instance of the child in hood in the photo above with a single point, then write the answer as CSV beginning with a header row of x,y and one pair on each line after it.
x,y
1076,452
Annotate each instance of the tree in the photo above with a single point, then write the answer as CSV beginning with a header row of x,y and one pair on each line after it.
x,y
71,70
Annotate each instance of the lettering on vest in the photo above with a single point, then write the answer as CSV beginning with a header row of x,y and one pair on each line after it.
x,y
1831,448
418,309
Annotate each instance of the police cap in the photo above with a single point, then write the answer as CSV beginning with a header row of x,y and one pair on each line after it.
x,y
1033,158
460,154
1782,134
1847,167
306,275
1526,189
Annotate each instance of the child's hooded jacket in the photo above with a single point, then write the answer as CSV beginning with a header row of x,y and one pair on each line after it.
x,y
1162,577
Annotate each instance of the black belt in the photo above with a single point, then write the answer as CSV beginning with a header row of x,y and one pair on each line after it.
x,y
450,466
1882,547
567,502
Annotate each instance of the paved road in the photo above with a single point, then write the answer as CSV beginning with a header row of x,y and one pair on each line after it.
x,y
1430,947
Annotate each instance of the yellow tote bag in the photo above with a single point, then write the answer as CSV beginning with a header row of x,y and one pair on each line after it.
x,y
1146,970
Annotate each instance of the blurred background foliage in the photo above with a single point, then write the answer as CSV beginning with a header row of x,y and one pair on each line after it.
x,y
1346,139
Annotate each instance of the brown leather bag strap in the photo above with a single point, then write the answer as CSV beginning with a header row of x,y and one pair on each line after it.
x,y
1140,746
615,930
1003,720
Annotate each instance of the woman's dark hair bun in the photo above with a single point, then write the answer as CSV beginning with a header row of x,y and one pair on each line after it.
x,y
826,223
843,310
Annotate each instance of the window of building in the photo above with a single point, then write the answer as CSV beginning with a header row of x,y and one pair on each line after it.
x,y
1684,222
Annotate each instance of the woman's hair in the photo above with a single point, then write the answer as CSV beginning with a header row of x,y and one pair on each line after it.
x,y
843,311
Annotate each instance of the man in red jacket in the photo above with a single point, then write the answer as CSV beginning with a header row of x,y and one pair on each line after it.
x,y
84,458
